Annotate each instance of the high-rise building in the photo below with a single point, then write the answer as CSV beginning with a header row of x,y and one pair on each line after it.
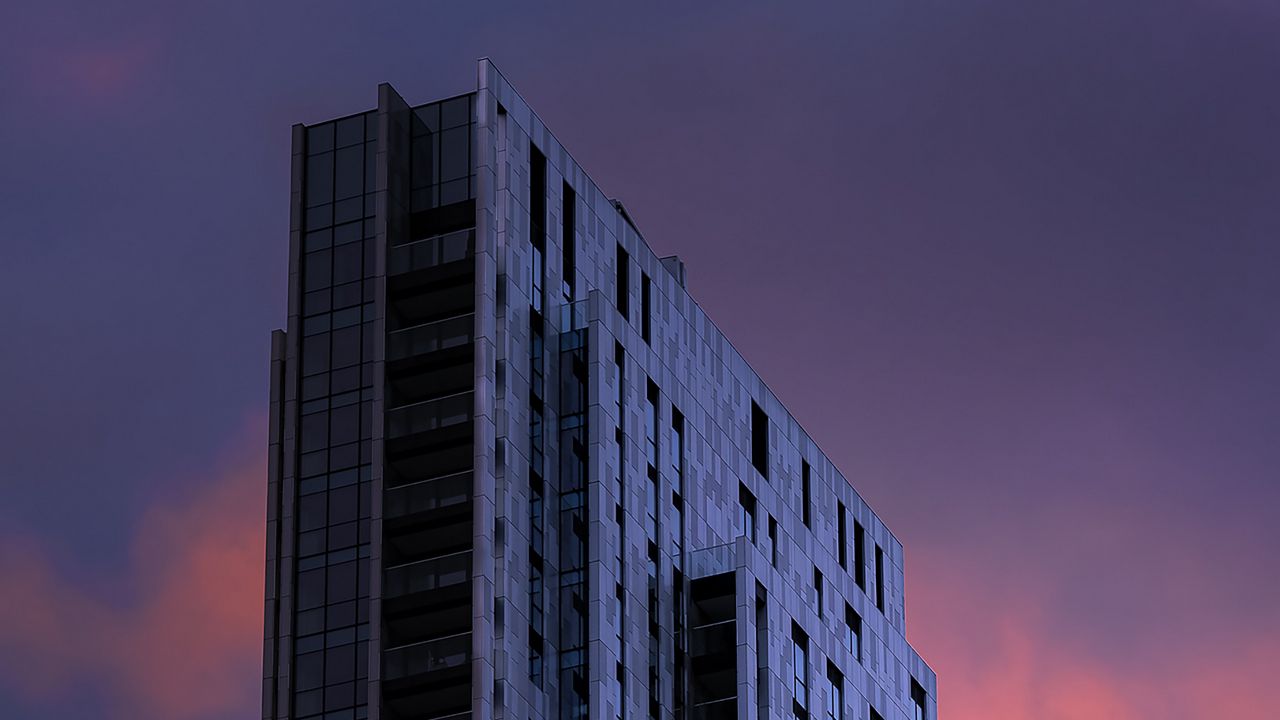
x,y
516,472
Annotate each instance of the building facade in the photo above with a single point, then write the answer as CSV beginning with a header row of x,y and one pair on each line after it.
x,y
516,472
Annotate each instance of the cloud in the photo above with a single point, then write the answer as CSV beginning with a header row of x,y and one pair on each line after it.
x,y
188,645
1000,638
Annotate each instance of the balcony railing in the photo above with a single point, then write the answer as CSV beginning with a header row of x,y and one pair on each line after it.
x,y
430,337
714,638
430,252
425,575
429,415
427,495
426,657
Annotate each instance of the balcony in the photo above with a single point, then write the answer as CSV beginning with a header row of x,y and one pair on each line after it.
x,y
429,415
425,497
429,679
427,575
431,252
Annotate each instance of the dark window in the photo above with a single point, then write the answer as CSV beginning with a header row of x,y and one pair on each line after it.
x,y
805,497
320,138
918,701
800,671
817,589
760,441
859,555
773,541
879,578
842,541
644,306
746,513
835,693
349,172
875,715
853,626
622,288
350,131
537,224
569,261
319,179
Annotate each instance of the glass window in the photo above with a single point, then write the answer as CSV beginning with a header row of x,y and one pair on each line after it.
x,y
746,513
320,138
918,701
800,670
835,693
319,179
455,112
817,590
879,578
349,174
853,626
454,154
350,131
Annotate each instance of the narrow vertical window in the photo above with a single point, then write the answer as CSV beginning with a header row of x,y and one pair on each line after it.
x,y
537,223
651,429
835,693
569,260
842,552
773,541
800,671
644,306
746,513
853,626
879,578
805,496
619,363
918,701
760,440
859,555
622,289
762,652
817,589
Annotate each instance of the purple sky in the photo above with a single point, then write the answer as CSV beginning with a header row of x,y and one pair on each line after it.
x,y
1016,268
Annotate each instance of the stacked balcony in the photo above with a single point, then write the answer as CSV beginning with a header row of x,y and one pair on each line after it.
x,y
713,648
427,500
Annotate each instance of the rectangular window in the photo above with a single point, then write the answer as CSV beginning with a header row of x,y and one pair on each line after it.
x,y
622,289
835,693
800,671
537,223
918,701
762,652
859,555
619,363
760,440
853,626
746,513
879,578
841,541
817,589
644,306
676,458
651,429
805,496
569,261
773,541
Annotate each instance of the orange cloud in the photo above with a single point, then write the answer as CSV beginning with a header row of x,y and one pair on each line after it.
x,y
994,637
190,644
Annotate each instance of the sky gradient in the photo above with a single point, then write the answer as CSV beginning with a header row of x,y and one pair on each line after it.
x,y
1015,268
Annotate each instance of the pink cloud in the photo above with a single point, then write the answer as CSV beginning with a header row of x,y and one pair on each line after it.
x,y
189,646
995,636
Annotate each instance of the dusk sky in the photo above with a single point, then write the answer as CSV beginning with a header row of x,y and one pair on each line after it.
x,y
1014,265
